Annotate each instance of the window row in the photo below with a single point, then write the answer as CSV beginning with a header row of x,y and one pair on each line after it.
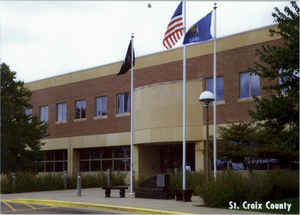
x,y
249,86
123,106
101,159
53,161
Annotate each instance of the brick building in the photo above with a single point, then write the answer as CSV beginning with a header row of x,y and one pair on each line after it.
x,y
88,111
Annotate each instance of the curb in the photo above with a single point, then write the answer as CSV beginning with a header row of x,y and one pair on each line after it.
x,y
99,206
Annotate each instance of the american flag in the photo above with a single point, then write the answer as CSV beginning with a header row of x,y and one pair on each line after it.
x,y
175,28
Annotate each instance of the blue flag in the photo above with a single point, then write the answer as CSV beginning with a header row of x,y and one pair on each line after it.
x,y
199,31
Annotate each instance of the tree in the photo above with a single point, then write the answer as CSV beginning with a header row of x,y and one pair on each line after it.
x,y
279,112
273,131
249,143
21,133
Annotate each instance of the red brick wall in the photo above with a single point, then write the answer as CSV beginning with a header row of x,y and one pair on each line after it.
x,y
229,64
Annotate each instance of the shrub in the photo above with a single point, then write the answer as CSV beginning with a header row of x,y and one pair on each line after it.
x,y
285,184
46,182
193,180
263,186
118,178
6,184
30,182
140,180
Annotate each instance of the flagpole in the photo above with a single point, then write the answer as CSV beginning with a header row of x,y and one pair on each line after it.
x,y
184,104
215,93
131,121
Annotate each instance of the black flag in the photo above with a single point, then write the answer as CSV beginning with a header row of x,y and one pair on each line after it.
x,y
127,62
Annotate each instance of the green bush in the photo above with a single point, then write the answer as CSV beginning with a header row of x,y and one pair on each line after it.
x,y
118,178
263,186
193,181
30,182
285,184
6,184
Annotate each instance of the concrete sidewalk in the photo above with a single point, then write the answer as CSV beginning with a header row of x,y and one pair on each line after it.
x,y
139,205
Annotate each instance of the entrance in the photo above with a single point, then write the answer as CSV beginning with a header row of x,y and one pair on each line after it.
x,y
171,157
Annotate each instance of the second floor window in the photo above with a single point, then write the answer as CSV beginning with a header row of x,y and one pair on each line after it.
x,y
61,112
219,87
101,106
249,85
28,112
80,109
123,103
44,114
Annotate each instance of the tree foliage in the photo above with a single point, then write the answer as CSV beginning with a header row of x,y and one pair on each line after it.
x,y
21,134
248,142
279,64
273,131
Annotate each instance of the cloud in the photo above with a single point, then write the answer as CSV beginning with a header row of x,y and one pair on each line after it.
x,y
42,39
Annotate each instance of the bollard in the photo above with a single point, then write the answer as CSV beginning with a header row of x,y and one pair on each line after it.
x,y
13,175
108,177
78,185
65,179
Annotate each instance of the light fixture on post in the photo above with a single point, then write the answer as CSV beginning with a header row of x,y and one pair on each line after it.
x,y
206,98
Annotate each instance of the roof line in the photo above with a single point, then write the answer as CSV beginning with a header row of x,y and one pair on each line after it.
x,y
154,53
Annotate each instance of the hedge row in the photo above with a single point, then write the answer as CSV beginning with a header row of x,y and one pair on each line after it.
x,y
29,182
260,187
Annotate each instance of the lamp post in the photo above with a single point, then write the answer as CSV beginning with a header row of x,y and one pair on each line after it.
x,y
205,98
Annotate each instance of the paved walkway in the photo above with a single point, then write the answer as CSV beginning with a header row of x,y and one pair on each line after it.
x,y
139,205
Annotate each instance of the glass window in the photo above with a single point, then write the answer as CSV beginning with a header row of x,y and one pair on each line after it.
x,y
61,112
28,112
249,85
54,161
44,114
101,106
84,166
123,103
80,109
106,164
285,79
101,159
255,85
95,165
219,87
121,165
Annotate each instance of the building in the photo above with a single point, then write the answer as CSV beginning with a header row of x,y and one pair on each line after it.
x,y
88,111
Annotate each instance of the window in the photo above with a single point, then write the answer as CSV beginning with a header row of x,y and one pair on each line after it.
x,y
219,87
101,106
80,109
123,103
44,114
101,159
249,85
61,112
28,112
286,79
54,161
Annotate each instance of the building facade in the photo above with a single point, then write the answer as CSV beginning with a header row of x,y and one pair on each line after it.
x,y
88,111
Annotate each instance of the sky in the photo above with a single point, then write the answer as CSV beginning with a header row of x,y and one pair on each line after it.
x,y
42,39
